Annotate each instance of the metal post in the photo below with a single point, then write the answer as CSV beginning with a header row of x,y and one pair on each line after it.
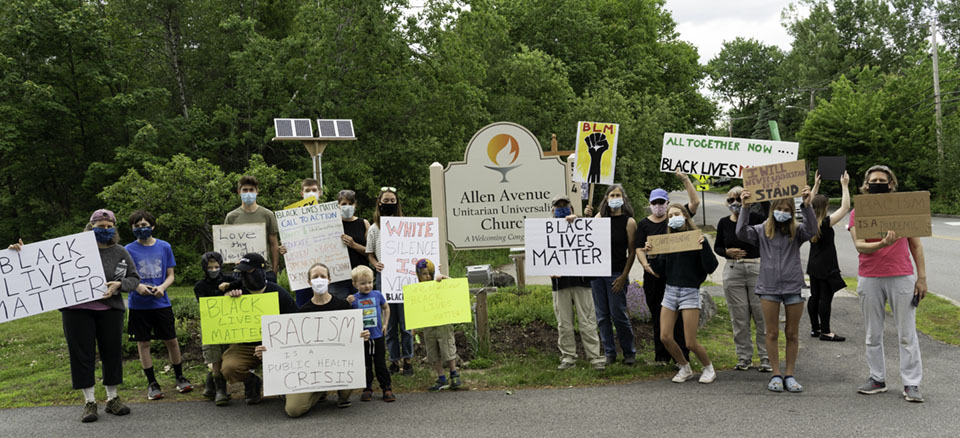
x,y
936,86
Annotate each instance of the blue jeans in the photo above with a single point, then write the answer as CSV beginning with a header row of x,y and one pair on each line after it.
x,y
611,311
399,339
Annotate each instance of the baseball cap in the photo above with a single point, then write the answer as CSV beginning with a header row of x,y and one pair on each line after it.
x,y
558,198
659,194
103,215
251,261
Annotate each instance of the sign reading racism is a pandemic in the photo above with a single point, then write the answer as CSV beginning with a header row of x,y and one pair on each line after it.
x,y
596,152
906,213
503,180
721,156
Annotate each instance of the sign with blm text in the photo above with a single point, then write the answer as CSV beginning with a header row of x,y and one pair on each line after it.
x,y
50,275
313,234
315,351
775,181
721,156
229,320
404,241
558,247
675,242
235,241
906,213
435,303
597,152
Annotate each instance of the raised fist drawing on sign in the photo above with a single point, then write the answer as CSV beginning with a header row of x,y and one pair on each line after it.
x,y
596,145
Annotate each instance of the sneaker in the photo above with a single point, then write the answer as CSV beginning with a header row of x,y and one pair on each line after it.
x,y
89,412
116,407
834,338
343,404
742,365
872,387
440,385
407,369
814,333
367,395
394,368
183,385
454,381
564,365
388,396
154,392
912,394
599,366
251,389
684,374
630,361
765,366
209,388
708,375
792,384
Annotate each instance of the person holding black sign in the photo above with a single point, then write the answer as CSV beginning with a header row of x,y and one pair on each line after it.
x,y
822,265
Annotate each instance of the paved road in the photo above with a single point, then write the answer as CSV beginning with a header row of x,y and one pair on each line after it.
x,y
737,404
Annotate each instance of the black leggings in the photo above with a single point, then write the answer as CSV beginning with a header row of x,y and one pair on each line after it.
x,y
653,289
375,360
87,331
821,298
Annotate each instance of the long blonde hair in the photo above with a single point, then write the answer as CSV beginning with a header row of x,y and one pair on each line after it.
x,y
820,203
688,225
771,226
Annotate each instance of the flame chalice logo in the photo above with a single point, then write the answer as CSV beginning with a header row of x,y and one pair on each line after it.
x,y
495,147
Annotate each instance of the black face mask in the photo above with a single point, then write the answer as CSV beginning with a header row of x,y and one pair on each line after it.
x,y
875,188
388,209
214,274
254,280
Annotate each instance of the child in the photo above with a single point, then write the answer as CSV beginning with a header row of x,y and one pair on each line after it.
x,y
683,273
440,343
781,277
215,386
151,314
373,305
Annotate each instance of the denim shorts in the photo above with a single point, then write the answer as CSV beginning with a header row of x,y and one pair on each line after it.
x,y
786,299
679,298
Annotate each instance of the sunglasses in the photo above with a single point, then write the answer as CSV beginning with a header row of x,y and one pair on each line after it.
x,y
658,202
732,200
388,189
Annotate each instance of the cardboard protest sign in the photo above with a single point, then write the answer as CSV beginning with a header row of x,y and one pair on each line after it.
x,y
434,303
50,275
775,181
308,201
558,247
235,241
313,234
675,242
403,241
596,152
721,156
310,352
831,168
907,214
229,320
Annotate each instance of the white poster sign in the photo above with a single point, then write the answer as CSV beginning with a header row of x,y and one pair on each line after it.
x,y
313,234
403,241
721,156
558,247
235,241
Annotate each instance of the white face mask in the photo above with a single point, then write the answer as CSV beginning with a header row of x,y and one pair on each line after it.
x,y
347,211
781,216
615,203
308,195
676,222
319,285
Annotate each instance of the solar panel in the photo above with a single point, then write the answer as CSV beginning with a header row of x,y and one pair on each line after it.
x,y
336,128
344,128
328,128
293,127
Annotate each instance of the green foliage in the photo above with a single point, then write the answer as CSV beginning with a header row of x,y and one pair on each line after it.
x,y
507,307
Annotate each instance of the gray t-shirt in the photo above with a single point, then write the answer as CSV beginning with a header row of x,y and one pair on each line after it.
x,y
262,215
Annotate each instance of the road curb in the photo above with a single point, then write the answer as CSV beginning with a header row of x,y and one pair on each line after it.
x,y
951,300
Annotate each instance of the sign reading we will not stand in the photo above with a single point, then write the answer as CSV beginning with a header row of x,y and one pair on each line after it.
x,y
775,181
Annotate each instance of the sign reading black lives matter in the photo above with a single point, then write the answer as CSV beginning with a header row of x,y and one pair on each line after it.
x,y
503,180
558,247
721,156
50,275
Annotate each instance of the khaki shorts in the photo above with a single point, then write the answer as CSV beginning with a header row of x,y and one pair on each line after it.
x,y
213,353
441,345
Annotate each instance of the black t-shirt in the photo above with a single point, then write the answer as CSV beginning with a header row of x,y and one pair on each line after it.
x,y
357,230
334,304
208,288
618,242
727,237
822,262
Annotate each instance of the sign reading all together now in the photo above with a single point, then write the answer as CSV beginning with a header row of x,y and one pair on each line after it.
x,y
50,275
404,241
229,320
721,156
310,352
312,234
436,303
558,247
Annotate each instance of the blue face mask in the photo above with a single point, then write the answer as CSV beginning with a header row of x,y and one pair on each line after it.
x,y
562,212
735,207
104,235
248,198
781,216
676,222
615,203
143,233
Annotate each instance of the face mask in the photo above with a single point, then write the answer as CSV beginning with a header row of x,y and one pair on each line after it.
x,y
308,195
388,209
878,188
248,198
104,235
562,212
319,285
781,216
615,203
735,207
676,222
347,211
142,233
253,280
658,210
213,274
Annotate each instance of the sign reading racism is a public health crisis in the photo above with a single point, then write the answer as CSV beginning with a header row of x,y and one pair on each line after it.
x,y
503,180
721,156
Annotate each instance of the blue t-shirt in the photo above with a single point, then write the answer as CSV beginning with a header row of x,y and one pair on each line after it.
x,y
371,304
152,264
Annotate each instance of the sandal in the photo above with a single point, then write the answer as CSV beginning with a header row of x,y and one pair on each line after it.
x,y
792,384
834,338
776,384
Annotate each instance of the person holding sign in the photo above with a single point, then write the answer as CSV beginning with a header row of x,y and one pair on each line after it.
x,y
822,265
610,293
740,281
239,359
215,386
250,213
311,191
439,340
399,339
376,315
886,276
95,328
354,238
781,277
684,272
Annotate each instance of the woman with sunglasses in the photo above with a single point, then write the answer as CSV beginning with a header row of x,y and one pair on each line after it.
x,y
399,339
354,238
740,281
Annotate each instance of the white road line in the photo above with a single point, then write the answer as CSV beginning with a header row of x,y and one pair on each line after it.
x,y
953,224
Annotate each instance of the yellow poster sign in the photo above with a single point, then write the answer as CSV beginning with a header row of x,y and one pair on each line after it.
x,y
435,303
309,201
596,152
229,320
